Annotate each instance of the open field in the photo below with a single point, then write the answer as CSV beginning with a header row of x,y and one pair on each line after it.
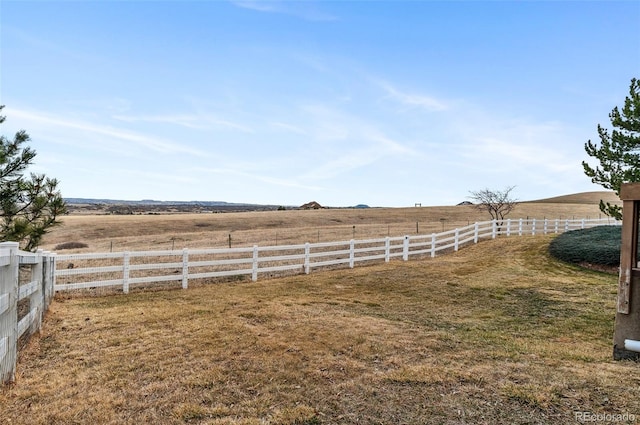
x,y
168,231
497,333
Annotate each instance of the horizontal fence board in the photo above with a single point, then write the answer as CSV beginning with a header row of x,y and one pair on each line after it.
x,y
90,256
282,258
301,257
329,253
370,257
26,321
88,270
225,273
4,347
4,303
155,266
87,285
150,279
280,268
27,289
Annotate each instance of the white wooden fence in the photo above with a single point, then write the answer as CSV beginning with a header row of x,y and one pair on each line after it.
x,y
28,280
36,271
124,270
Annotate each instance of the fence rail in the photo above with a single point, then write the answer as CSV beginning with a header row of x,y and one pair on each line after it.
x,y
29,280
124,270
26,289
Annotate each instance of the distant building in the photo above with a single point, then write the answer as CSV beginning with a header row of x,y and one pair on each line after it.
x,y
313,205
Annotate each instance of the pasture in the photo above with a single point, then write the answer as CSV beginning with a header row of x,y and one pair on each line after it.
x,y
103,233
496,333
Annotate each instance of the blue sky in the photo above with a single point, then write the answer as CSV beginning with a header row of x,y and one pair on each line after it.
x,y
385,103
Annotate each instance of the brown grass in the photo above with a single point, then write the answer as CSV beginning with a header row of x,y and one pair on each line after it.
x,y
150,232
498,333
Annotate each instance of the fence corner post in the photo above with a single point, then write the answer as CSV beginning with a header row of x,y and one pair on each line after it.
x,y
185,268
9,318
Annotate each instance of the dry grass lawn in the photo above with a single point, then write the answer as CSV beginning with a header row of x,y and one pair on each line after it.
x,y
497,333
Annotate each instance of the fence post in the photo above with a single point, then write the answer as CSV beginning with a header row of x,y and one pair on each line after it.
x,y
47,283
351,252
9,317
582,224
125,272
555,230
520,227
566,225
35,299
433,245
456,240
494,229
185,268
533,227
405,248
254,271
508,227
307,255
475,232
387,249
546,222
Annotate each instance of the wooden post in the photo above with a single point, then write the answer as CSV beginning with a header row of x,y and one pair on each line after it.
x,y
35,299
387,249
307,255
254,270
8,312
352,252
405,248
125,273
185,268
627,325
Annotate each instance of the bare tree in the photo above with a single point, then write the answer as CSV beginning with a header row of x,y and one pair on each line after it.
x,y
498,203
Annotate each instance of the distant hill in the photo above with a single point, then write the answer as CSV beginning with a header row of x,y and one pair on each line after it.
x,y
582,198
78,201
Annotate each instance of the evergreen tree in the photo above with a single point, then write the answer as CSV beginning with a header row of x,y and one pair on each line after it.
x,y
619,152
28,206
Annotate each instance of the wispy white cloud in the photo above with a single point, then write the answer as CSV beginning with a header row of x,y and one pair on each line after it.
x,y
280,182
199,122
307,10
287,127
122,135
413,100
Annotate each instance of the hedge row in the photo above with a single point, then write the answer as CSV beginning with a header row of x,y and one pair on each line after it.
x,y
597,245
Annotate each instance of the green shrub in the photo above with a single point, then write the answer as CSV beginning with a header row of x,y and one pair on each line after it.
x,y
598,245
